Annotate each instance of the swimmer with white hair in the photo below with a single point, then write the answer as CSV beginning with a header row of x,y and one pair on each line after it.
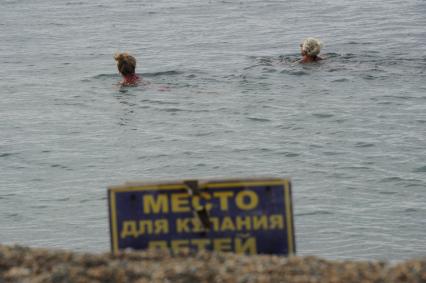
x,y
310,48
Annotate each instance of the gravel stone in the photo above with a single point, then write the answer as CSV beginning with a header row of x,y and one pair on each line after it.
x,y
27,265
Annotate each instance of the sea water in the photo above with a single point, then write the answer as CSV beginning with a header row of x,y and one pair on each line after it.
x,y
225,99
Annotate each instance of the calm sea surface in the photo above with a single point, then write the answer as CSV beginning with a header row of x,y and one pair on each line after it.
x,y
225,100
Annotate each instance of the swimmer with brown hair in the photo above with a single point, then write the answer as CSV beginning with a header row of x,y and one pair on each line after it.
x,y
126,65
310,48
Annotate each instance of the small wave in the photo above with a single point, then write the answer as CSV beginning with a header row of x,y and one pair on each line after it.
x,y
290,58
372,51
256,119
39,206
58,166
369,77
319,212
364,144
387,103
342,80
391,179
294,72
387,193
172,110
399,97
4,196
63,199
11,215
160,102
331,153
339,69
163,73
106,76
161,155
331,55
359,43
74,3
266,60
352,188
203,134
352,168
290,154
322,115
346,56
252,67
269,70
420,169
7,154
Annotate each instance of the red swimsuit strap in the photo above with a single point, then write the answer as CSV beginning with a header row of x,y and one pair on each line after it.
x,y
133,78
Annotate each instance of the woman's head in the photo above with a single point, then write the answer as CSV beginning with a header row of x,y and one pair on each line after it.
x,y
311,47
126,63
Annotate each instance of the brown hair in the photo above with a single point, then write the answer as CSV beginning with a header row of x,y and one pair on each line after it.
x,y
126,63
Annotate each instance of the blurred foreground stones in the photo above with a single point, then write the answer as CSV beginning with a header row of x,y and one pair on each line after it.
x,y
21,264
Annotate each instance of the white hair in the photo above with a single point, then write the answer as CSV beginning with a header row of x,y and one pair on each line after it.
x,y
311,46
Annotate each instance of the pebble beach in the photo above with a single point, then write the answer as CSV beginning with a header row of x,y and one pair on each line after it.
x,y
24,264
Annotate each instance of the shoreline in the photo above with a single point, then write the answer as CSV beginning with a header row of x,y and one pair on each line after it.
x,y
24,264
